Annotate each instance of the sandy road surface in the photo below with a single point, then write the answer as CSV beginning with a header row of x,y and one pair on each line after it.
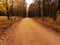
x,y
27,32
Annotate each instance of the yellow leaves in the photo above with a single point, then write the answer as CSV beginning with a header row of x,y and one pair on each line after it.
x,y
58,18
3,8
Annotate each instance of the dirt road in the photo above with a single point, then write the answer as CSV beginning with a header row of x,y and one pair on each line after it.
x,y
27,32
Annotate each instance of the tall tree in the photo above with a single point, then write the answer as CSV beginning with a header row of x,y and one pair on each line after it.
x,y
7,8
59,5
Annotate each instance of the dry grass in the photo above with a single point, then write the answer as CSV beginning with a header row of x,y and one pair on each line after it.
x,y
5,23
49,22
54,24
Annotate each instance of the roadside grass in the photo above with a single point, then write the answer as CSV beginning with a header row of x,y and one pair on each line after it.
x,y
5,23
50,23
54,24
